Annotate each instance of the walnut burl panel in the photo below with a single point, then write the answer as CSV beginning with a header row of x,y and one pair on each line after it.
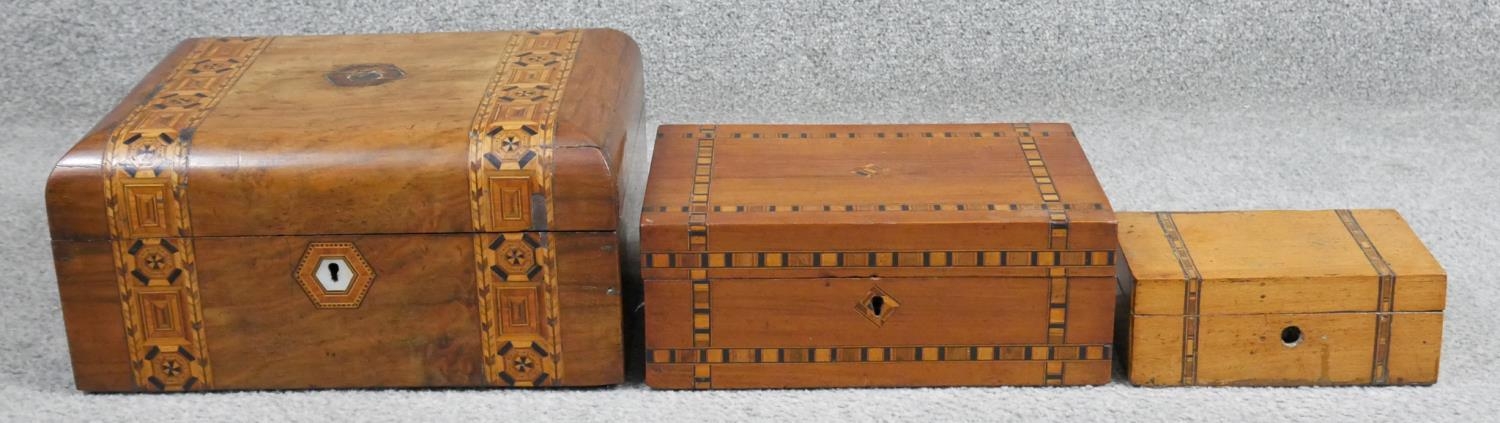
x,y
1280,298
387,158
416,328
800,256
350,171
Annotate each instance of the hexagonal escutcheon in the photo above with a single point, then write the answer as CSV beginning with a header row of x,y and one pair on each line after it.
x,y
334,275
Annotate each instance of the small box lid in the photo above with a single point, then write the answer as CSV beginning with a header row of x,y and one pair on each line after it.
x,y
396,133
842,200
1245,262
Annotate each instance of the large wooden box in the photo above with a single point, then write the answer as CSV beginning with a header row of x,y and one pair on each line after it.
x,y
1271,298
875,255
414,210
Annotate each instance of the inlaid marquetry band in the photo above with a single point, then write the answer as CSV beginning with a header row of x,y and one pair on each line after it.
x,y
881,133
510,141
1191,298
879,354
1379,367
703,169
1057,320
146,203
1057,214
1057,305
804,259
518,313
891,207
510,182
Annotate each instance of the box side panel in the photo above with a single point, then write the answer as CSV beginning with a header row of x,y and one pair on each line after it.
x,y
601,103
588,281
1420,282
91,312
1090,310
1416,345
1155,353
584,193
669,314
604,95
415,326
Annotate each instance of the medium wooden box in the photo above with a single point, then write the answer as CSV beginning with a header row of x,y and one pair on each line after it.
x,y
781,256
417,210
1272,298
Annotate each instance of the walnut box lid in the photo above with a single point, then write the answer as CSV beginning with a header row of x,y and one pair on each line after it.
x,y
860,200
360,134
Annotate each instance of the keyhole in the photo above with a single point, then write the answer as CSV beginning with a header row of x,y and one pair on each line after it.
x,y
1291,336
876,304
333,271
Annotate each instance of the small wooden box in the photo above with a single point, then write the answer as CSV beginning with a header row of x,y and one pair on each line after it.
x,y
415,210
1273,298
796,256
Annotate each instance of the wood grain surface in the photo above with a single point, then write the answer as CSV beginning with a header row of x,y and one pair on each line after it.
x,y
418,326
779,256
1274,298
237,160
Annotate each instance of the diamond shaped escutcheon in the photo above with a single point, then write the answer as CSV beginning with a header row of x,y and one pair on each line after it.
x,y
877,306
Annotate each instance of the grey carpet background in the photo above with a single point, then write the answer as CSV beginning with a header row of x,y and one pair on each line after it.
x,y
1181,105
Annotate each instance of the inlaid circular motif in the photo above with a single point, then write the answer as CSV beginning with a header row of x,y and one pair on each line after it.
x,y
515,257
525,364
171,368
154,261
365,75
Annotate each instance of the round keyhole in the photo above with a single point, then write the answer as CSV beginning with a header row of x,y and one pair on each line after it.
x,y
333,271
1291,336
877,303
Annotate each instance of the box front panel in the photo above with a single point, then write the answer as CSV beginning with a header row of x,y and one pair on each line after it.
x,y
416,310
765,333
1285,349
340,311
363,311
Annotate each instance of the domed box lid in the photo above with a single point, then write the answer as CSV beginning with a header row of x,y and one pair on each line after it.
x,y
360,134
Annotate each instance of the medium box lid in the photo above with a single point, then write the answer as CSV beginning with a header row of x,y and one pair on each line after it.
x,y
1246,262
831,200
400,133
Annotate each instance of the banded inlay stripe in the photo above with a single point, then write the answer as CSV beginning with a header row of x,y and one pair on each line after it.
x,y
855,259
1380,365
510,155
884,207
1192,291
698,209
1057,305
1057,215
878,354
146,205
